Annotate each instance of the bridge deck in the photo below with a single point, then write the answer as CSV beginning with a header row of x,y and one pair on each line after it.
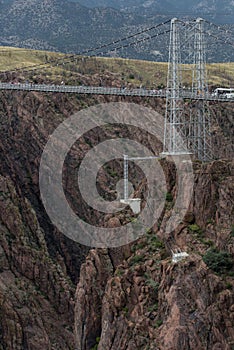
x,y
100,90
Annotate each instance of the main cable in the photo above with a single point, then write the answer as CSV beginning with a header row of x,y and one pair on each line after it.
x,y
85,52
208,33
219,27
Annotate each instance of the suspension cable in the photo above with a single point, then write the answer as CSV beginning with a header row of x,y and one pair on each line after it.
x,y
209,34
85,52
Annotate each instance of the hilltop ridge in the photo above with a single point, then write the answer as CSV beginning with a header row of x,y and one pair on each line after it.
x,y
63,25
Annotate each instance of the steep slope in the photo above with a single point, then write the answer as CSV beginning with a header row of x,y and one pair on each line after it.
x,y
210,8
149,302
40,268
60,25
35,291
67,26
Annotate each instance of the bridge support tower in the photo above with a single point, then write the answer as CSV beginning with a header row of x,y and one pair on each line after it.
x,y
184,134
175,123
199,131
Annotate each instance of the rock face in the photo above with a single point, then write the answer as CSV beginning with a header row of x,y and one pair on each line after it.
x,y
34,289
197,308
128,297
39,267
95,274
148,302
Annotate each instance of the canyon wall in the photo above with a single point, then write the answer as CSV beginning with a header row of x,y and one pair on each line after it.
x,y
127,297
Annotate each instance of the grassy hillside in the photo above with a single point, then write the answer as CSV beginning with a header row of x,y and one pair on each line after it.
x,y
133,72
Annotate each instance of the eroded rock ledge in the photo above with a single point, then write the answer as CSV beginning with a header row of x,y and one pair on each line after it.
x,y
149,303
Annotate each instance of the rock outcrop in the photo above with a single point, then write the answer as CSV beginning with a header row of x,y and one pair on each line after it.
x,y
39,267
126,298
149,302
35,291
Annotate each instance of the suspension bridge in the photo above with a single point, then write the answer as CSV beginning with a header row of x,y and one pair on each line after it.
x,y
100,90
195,132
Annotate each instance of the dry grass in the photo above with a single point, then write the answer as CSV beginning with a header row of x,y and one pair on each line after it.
x,y
12,58
136,72
221,74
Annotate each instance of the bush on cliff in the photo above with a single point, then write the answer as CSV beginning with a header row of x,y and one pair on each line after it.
x,y
218,261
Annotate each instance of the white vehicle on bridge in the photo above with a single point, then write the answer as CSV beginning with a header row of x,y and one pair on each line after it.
x,y
224,92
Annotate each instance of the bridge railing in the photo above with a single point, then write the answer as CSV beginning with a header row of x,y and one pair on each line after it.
x,y
101,90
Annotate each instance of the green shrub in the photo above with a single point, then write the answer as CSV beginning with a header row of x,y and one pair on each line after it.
x,y
154,242
207,242
119,272
141,245
153,284
158,323
96,345
169,197
125,310
136,259
138,246
218,261
194,228
228,285
153,308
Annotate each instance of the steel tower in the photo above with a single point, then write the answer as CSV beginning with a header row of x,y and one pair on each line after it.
x,y
174,117
200,139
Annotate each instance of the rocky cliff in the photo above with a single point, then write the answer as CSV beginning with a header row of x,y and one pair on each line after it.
x,y
149,302
130,297
39,267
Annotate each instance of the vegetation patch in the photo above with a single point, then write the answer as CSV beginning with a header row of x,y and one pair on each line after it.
x,y
154,242
138,246
153,308
125,310
169,197
96,345
218,261
153,284
136,259
119,272
158,323
195,228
